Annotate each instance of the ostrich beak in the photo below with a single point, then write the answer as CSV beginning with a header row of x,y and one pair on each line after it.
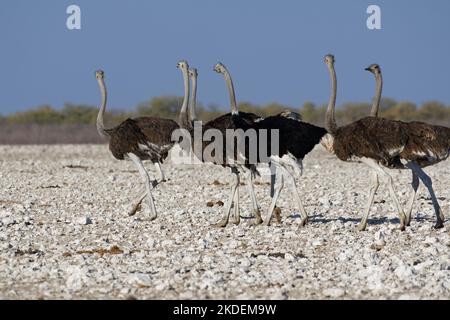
x,y
367,69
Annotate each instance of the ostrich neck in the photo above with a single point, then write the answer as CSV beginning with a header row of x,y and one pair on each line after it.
x,y
193,99
230,86
330,123
377,99
183,119
100,121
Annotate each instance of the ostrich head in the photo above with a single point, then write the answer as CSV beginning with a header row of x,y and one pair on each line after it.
x,y
220,68
183,65
374,68
329,59
193,72
99,74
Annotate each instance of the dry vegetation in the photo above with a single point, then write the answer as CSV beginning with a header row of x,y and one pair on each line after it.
x,y
76,124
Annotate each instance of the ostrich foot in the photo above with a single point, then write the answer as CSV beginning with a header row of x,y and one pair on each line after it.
x,y
266,223
408,220
402,221
438,225
362,226
277,214
151,218
135,209
303,222
221,224
258,217
236,221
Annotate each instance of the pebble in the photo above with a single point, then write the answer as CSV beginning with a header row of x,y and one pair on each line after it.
x,y
45,238
333,292
84,221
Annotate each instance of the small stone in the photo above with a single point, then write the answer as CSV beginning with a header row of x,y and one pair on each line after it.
x,y
379,241
151,243
84,221
325,202
431,240
75,278
318,242
140,279
403,272
245,262
289,257
333,292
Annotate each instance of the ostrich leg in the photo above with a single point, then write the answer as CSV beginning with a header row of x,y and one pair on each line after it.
x,y
251,190
290,179
373,189
278,186
148,184
375,166
429,184
234,185
236,215
139,200
415,186
160,170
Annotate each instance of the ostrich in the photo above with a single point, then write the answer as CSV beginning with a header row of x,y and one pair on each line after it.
x,y
296,166
296,140
376,142
427,145
143,138
221,123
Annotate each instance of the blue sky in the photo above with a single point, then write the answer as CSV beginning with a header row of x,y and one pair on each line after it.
x,y
273,49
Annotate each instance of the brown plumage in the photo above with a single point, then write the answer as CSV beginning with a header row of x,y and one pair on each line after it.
x,y
426,145
378,139
147,137
144,138
373,141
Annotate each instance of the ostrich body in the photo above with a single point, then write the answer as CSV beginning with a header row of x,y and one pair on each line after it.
x,y
296,140
426,145
373,141
139,139
221,124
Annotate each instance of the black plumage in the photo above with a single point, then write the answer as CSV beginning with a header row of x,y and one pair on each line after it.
x,y
295,137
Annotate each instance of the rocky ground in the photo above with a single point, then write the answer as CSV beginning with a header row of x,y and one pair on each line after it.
x,y
65,233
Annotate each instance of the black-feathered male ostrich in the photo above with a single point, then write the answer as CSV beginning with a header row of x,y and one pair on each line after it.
x,y
295,140
427,145
139,139
296,166
221,124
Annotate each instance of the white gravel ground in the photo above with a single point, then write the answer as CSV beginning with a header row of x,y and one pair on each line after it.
x,y
65,233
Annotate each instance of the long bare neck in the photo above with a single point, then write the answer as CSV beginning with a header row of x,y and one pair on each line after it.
x,y
100,121
192,110
183,119
330,121
377,99
230,86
